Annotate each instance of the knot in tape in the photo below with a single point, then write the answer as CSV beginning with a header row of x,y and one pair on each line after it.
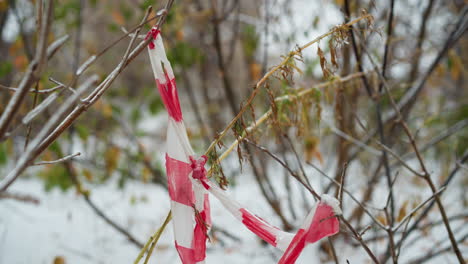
x,y
198,167
153,33
198,170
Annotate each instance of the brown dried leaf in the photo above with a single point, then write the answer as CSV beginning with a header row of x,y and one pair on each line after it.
x,y
332,47
323,63
370,19
382,219
255,71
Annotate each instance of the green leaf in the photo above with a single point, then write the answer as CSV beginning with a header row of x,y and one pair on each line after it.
x,y
135,116
3,154
116,109
55,148
146,4
66,9
56,176
250,40
156,105
5,68
112,27
83,132
183,54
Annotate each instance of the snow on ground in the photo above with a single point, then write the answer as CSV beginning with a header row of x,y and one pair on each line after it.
x,y
64,225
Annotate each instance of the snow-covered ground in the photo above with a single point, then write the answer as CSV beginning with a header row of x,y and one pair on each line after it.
x,y
64,225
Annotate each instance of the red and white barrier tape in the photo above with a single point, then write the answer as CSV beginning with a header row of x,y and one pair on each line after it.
x,y
189,187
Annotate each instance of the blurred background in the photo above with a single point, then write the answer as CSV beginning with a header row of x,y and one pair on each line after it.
x,y
334,128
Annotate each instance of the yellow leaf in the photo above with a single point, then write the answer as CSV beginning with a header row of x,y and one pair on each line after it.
x,y
112,158
88,175
106,110
402,212
145,175
59,260
382,219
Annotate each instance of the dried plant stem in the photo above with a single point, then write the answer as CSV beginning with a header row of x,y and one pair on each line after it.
x,y
268,113
272,71
152,241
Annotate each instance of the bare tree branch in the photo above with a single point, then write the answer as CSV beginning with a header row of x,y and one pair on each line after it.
x,y
66,158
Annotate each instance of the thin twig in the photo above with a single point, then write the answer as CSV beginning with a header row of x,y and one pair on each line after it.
x,y
358,237
99,212
406,165
351,139
66,158
410,214
426,176
433,253
33,71
74,114
424,213
19,197
29,153
294,174
377,222
43,91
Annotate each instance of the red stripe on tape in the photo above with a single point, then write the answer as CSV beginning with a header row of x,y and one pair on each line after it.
x,y
178,181
186,254
324,224
258,226
170,98
294,249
